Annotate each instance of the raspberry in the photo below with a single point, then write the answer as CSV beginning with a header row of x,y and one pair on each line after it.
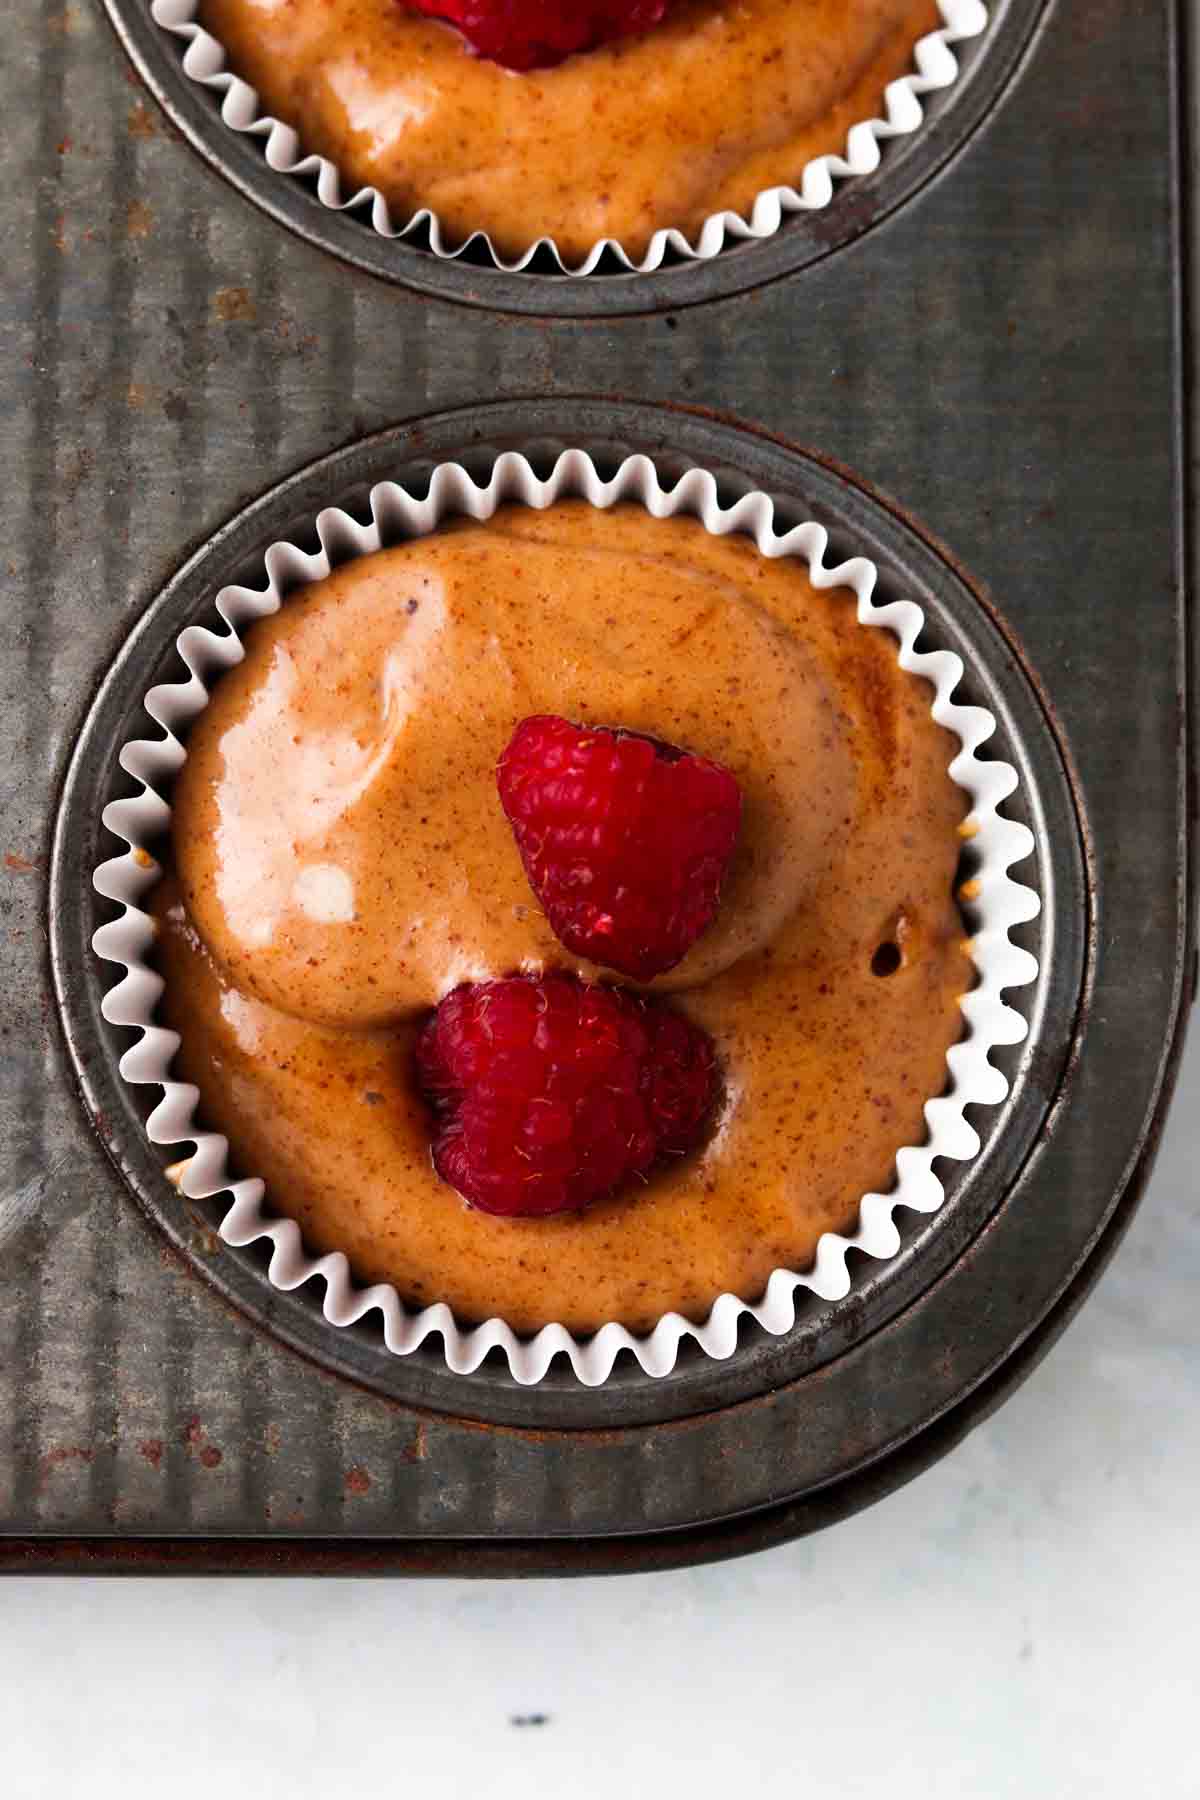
x,y
535,34
551,1094
625,840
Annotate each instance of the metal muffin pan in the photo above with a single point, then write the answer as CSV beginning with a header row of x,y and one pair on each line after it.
x,y
909,568
972,353
987,65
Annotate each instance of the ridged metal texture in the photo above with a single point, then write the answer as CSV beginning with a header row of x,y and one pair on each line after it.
x,y
955,619
1001,354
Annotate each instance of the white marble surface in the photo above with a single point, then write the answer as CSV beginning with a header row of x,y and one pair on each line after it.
x,y
1024,1620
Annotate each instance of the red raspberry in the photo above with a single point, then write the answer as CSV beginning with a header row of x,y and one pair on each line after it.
x,y
535,34
625,840
551,1094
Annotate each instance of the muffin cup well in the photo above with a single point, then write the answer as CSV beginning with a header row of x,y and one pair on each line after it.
x,y
996,903
935,67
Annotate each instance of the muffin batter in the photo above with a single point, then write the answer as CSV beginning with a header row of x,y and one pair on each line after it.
x,y
724,99
342,861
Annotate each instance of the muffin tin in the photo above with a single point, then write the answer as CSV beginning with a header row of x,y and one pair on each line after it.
x,y
970,352
954,620
987,64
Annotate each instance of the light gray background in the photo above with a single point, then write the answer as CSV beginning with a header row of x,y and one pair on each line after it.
x,y
1022,1620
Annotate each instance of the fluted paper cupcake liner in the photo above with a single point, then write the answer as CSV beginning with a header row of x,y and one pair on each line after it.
x,y
998,903
935,66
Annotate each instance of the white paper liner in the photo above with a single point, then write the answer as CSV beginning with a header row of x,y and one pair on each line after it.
x,y
935,67
998,903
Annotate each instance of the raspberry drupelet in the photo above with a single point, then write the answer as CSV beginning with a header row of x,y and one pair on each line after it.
x,y
551,1094
625,839
536,34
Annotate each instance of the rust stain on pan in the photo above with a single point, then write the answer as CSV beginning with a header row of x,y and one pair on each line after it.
x,y
234,306
62,1453
194,1438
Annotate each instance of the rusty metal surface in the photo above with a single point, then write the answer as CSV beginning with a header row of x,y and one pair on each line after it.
x,y
955,619
482,1559
1001,354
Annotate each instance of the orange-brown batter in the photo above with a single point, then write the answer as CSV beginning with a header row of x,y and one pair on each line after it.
x,y
342,861
724,99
